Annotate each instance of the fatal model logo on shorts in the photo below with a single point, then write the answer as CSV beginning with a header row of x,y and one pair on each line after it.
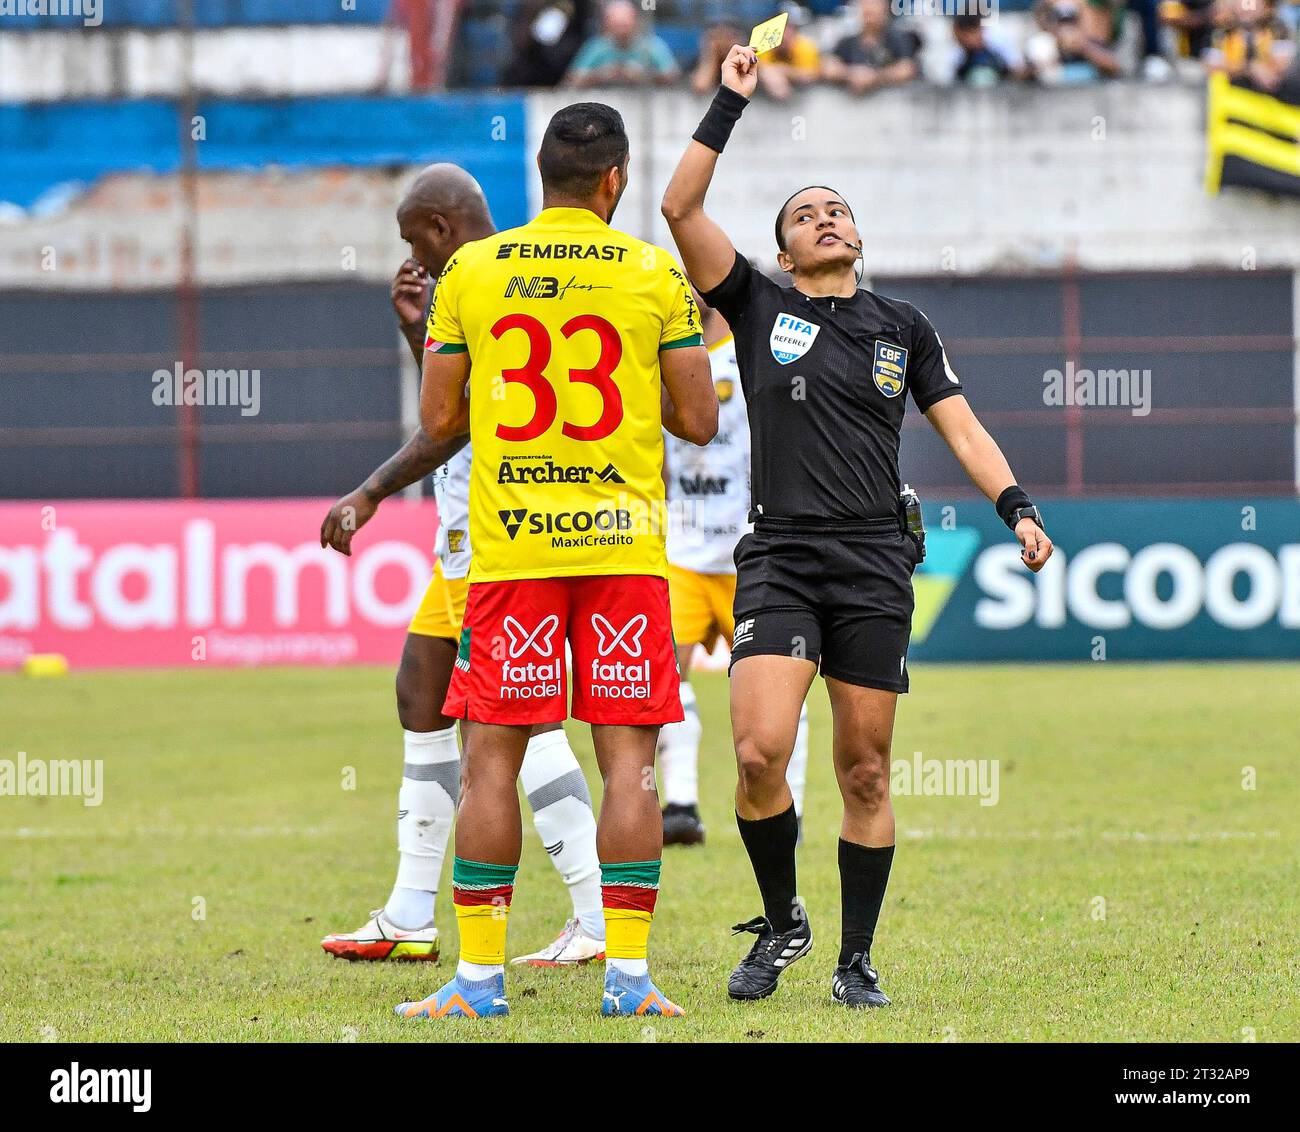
x,y
791,338
530,679
521,639
617,679
889,368
609,638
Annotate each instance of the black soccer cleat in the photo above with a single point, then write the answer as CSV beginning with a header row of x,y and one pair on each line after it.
x,y
682,825
755,976
857,984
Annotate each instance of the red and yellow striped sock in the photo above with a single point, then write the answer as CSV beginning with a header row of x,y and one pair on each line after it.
x,y
628,891
481,894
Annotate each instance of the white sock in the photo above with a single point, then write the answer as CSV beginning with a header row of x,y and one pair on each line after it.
x,y
561,804
426,810
410,908
634,967
477,972
679,754
796,774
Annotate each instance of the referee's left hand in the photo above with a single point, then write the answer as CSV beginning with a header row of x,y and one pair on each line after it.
x,y
1035,546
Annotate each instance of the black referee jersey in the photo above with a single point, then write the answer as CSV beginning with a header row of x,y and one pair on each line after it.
x,y
824,382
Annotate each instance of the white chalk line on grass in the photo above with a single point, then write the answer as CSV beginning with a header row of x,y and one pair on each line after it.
x,y
262,832
249,832
1140,836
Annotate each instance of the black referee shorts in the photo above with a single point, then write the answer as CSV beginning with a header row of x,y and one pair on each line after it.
x,y
840,596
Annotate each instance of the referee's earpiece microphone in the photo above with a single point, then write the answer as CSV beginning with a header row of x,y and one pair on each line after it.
x,y
860,266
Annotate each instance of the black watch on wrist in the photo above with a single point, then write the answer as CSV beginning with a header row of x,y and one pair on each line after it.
x,y
1030,512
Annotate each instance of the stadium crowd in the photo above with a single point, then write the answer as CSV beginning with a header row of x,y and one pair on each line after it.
x,y
865,45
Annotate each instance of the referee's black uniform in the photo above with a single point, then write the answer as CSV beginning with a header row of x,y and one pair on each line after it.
x,y
827,573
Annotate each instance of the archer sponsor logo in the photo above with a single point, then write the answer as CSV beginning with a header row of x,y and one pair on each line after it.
x,y
546,471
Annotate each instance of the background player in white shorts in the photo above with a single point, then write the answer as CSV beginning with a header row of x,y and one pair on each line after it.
x,y
708,509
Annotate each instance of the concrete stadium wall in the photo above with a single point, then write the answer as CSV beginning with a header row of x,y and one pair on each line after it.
x,y
303,60
969,181
943,181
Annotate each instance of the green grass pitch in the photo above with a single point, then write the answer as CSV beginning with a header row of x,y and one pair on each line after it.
x,y
1125,887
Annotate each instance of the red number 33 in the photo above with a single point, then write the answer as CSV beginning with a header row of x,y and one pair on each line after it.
x,y
532,375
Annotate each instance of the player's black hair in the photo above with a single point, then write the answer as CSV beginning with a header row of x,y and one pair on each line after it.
x,y
581,144
780,215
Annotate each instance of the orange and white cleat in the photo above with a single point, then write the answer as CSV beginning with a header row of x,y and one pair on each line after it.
x,y
571,948
380,938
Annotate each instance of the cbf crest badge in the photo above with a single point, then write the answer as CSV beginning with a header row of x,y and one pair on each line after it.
x,y
791,338
889,368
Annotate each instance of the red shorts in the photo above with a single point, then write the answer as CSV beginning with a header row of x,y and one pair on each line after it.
x,y
510,667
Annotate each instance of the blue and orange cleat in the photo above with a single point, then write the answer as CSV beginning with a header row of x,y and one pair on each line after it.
x,y
461,998
630,995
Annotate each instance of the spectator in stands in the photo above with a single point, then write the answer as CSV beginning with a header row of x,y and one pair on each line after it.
x,y
984,56
547,36
623,54
881,54
1066,50
1251,44
1155,67
1193,23
714,45
795,61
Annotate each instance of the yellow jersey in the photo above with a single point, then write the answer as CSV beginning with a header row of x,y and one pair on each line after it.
x,y
564,319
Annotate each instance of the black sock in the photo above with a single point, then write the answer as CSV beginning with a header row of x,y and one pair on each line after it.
x,y
864,873
770,844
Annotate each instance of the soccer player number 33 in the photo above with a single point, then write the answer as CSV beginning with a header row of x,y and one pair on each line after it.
x,y
532,375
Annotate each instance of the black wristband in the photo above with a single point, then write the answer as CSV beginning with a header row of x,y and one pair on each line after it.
x,y
723,113
1010,501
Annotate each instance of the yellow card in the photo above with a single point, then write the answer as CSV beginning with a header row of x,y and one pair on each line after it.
x,y
767,35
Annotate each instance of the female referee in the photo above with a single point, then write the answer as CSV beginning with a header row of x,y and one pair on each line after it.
x,y
826,577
